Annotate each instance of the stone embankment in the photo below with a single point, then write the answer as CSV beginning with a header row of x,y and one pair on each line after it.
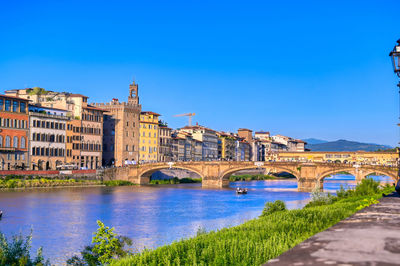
x,y
369,237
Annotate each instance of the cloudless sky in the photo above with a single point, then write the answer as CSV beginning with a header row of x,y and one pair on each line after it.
x,y
299,68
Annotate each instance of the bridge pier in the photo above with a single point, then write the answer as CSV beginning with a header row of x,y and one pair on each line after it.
x,y
308,185
214,183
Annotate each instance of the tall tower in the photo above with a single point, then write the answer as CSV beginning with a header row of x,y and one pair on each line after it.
x,y
133,93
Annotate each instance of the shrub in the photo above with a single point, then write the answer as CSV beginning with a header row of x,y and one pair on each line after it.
x,y
16,251
367,186
271,207
106,246
319,198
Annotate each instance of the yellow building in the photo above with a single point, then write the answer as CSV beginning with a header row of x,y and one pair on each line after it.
x,y
360,157
148,141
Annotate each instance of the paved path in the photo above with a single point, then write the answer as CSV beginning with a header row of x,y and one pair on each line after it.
x,y
369,237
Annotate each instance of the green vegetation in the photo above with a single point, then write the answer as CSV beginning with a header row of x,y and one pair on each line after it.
x,y
114,183
106,246
175,180
259,240
15,181
272,207
367,202
234,178
37,91
17,251
45,182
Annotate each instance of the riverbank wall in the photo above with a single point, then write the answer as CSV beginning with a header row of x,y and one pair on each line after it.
x,y
91,174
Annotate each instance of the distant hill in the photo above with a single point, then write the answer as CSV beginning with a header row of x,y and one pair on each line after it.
x,y
314,141
345,145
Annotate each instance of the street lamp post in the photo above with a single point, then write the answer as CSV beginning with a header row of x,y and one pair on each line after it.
x,y
395,56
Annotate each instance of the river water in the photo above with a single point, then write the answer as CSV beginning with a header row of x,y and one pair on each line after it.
x,y
63,219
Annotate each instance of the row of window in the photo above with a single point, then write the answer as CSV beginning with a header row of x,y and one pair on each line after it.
x,y
71,138
86,147
14,123
15,106
94,118
48,137
149,126
151,149
17,157
86,130
127,148
144,134
41,151
15,143
133,123
47,124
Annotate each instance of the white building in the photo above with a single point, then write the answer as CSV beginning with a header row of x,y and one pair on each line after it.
x,y
47,137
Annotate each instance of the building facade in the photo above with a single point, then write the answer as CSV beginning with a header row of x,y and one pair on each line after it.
x,y
226,146
209,139
14,129
165,144
47,137
148,140
85,128
121,129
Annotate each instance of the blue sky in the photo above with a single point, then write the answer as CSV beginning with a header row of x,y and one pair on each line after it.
x,y
300,68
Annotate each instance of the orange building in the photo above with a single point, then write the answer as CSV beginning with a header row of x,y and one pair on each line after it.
x,y
14,127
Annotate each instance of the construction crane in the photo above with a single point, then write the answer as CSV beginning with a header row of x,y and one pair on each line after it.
x,y
189,115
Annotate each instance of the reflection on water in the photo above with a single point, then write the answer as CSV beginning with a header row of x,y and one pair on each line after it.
x,y
63,219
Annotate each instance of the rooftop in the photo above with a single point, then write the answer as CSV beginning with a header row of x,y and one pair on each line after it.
x,y
13,97
149,113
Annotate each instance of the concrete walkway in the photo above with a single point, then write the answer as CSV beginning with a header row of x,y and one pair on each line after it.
x,y
369,237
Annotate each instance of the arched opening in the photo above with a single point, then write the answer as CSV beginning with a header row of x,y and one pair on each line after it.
x,y
173,175
381,177
336,179
273,179
40,165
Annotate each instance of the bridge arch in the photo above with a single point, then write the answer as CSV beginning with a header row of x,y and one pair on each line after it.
x,y
144,177
325,174
225,175
379,172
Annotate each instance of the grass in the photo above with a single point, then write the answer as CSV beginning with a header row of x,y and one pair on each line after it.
x,y
259,240
114,183
175,180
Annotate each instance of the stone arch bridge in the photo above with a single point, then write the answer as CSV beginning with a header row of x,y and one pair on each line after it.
x,y
216,174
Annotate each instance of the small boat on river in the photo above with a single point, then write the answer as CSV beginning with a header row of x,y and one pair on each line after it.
x,y
1,214
241,190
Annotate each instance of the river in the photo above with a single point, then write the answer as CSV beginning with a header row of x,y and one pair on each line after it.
x,y
63,219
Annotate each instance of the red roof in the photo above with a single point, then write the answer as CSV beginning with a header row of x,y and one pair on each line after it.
x,y
149,113
77,95
93,108
245,129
